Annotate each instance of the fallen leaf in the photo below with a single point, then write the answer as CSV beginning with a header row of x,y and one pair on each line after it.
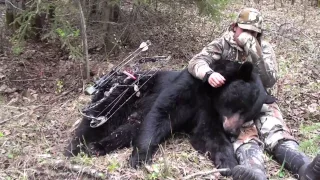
x,y
3,151
313,107
6,132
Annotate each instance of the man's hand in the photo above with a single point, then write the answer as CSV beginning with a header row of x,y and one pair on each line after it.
x,y
249,43
216,80
244,38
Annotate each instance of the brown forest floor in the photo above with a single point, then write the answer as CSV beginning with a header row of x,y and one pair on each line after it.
x,y
37,113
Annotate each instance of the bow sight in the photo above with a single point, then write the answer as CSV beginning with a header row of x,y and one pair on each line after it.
x,y
101,83
112,91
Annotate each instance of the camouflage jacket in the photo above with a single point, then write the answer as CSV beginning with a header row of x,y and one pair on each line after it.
x,y
226,48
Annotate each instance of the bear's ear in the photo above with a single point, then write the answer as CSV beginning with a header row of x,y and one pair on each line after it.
x,y
245,71
270,99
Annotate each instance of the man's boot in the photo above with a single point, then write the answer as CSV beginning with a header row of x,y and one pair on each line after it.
x,y
250,157
297,162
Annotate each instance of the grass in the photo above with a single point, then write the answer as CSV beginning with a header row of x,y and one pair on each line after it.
x,y
28,140
312,142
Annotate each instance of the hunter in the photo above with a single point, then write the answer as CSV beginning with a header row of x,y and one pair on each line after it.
x,y
243,42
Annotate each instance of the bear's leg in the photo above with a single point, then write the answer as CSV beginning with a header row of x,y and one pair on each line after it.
x,y
152,132
84,135
120,138
208,136
161,120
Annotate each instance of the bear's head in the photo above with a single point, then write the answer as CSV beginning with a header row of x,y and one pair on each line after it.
x,y
240,100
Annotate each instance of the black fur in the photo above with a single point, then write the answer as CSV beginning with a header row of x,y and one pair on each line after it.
x,y
174,102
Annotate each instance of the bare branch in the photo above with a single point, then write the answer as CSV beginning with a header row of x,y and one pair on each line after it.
x,y
84,41
7,1
4,121
90,171
203,173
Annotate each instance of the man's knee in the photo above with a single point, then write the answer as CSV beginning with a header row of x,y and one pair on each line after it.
x,y
248,133
273,130
271,126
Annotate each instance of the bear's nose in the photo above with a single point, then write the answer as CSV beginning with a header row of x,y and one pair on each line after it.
x,y
234,132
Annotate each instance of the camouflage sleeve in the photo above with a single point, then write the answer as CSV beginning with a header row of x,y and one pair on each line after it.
x,y
264,58
199,64
269,59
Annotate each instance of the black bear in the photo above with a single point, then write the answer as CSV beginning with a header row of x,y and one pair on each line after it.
x,y
176,101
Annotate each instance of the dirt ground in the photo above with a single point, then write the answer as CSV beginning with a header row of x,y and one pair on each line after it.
x,y
41,92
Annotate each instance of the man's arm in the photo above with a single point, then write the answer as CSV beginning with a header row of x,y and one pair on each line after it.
x,y
262,56
271,66
266,64
199,64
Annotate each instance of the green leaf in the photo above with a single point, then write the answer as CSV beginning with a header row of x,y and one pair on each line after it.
x,y
60,32
281,174
113,166
212,8
1,134
76,33
10,156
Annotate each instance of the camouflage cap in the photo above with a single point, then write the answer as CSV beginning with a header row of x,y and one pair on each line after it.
x,y
250,19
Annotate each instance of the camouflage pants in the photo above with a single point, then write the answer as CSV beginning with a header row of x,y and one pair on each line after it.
x,y
267,130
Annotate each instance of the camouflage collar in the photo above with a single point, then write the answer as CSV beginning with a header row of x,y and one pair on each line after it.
x,y
228,36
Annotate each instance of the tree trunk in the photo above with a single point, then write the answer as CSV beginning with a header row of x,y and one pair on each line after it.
x,y
106,27
84,43
305,9
110,13
13,8
91,10
1,40
30,27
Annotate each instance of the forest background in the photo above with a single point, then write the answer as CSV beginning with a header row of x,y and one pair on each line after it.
x,y
50,50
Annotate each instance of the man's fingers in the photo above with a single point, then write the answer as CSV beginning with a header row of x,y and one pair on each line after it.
x,y
222,77
217,82
212,83
216,79
219,79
